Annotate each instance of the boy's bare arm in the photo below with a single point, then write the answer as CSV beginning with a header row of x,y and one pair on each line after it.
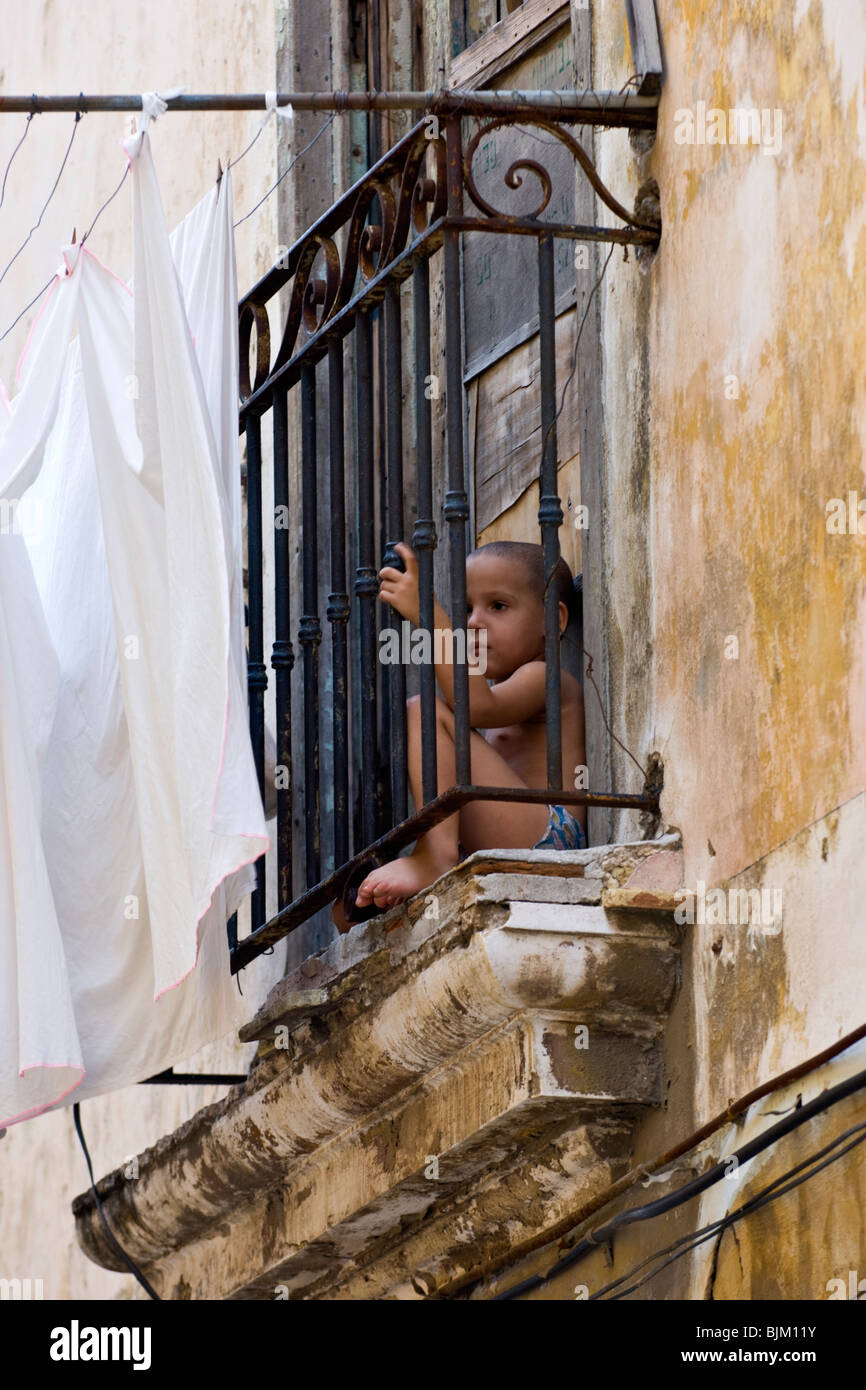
x,y
511,701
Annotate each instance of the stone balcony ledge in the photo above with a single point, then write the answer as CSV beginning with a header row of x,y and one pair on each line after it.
x,y
432,1088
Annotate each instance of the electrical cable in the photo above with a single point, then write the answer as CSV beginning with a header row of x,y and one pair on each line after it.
x,y
602,1234
110,1236
777,1188
563,1229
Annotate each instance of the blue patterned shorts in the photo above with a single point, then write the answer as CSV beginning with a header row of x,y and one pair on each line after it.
x,y
563,831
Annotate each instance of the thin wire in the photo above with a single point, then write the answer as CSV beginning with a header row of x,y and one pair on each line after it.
x,y
110,197
83,239
26,307
12,156
288,170
232,162
47,200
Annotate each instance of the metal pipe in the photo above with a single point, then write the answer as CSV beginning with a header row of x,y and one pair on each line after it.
x,y
257,676
549,509
282,656
584,108
424,533
310,634
338,601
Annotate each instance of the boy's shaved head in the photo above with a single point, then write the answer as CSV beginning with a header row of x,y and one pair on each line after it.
x,y
531,559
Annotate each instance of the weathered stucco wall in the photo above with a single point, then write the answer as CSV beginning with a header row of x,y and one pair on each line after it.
x,y
732,367
734,412
102,48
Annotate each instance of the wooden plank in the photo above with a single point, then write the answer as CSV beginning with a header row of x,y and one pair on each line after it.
x,y
507,42
505,423
593,485
643,32
500,273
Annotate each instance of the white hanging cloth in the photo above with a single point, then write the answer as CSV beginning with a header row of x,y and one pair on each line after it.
x,y
129,805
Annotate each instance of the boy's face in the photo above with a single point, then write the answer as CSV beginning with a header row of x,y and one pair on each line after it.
x,y
500,601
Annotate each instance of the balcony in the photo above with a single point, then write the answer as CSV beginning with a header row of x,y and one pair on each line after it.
x,y
430,1093
437,1087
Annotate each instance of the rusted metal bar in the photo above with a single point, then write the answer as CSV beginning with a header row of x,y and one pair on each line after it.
x,y
282,656
338,602
549,508
584,108
424,536
456,508
387,847
257,676
396,673
366,579
310,634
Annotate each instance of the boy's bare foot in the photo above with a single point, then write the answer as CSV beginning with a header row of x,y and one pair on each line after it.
x,y
345,913
401,879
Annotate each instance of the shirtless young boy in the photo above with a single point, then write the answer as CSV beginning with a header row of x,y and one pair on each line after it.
x,y
504,590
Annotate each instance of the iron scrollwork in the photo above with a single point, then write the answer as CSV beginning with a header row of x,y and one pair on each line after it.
x,y
513,175
385,212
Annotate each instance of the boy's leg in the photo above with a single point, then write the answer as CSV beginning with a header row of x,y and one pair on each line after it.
x,y
480,824
435,852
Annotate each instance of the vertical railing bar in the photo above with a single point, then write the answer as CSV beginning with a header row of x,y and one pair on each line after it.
x,y
257,676
310,633
394,533
384,614
456,509
424,534
366,577
549,509
282,656
338,600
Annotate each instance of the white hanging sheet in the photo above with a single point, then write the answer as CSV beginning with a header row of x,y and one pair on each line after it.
x,y
129,805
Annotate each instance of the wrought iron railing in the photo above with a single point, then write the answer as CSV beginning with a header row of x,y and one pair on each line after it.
x,y
347,279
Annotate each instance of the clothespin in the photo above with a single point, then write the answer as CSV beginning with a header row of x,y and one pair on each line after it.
x,y
219,171
73,236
